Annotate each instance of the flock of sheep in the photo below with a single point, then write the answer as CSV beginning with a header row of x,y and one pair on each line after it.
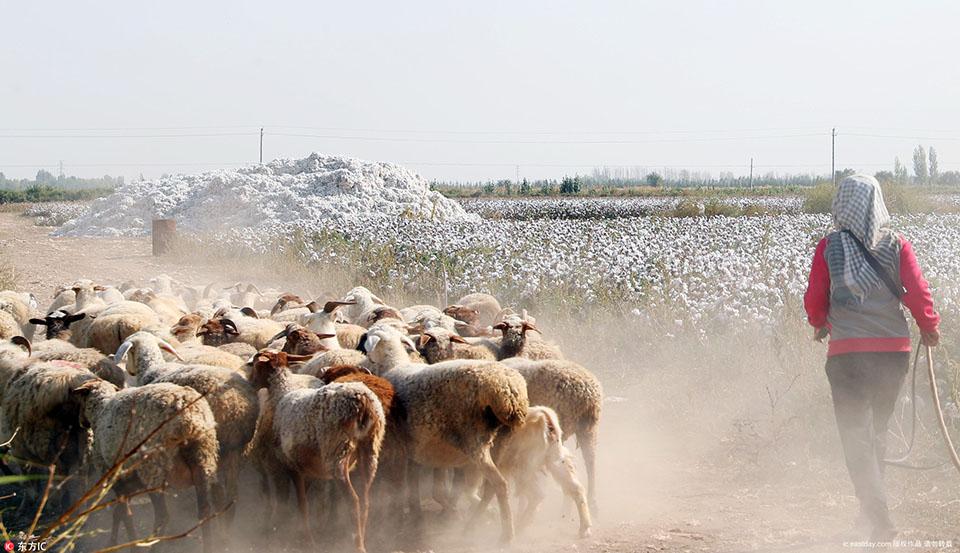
x,y
168,385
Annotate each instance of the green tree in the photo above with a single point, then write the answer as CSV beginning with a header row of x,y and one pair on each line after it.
x,y
571,185
654,179
844,173
524,187
934,166
885,176
899,171
920,165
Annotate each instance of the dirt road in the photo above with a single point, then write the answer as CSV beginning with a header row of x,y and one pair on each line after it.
x,y
661,490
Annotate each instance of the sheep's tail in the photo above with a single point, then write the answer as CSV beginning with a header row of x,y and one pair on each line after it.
x,y
366,427
507,399
202,451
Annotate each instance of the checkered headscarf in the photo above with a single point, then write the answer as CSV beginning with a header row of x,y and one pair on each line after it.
x,y
858,207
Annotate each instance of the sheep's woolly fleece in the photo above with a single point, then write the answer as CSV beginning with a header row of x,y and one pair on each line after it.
x,y
295,191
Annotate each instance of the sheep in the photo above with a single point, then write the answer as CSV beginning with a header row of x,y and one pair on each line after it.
x,y
194,353
515,343
256,332
251,295
8,326
576,396
291,308
452,411
14,358
116,323
185,329
478,309
380,313
88,358
170,432
321,432
37,407
63,297
439,344
323,321
537,446
358,302
240,349
233,401
302,341
168,308
22,306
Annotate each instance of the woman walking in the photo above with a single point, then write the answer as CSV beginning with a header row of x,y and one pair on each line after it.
x,y
862,272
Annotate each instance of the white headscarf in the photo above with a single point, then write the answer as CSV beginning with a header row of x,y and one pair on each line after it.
x,y
858,208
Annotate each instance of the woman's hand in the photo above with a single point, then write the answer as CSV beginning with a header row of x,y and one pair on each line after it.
x,y
820,333
931,338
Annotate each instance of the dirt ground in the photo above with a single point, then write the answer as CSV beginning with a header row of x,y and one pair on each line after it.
x,y
662,487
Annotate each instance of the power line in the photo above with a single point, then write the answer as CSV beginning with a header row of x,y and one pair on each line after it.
x,y
604,141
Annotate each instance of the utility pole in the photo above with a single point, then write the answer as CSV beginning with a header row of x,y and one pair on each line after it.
x,y
61,170
261,145
751,173
833,155
518,175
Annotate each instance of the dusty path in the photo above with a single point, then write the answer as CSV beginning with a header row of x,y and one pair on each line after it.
x,y
660,491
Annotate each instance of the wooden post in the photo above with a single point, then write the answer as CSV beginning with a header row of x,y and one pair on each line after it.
x,y
164,233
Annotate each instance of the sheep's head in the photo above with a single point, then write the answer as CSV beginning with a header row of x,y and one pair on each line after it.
x,y
514,331
301,341
137,342
329,374
58,324
187,327
463,313
285,301
380,313
266,364
385,345
436,344
217,332
82,394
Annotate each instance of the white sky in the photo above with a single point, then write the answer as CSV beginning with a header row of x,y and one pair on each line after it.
x,y
468,90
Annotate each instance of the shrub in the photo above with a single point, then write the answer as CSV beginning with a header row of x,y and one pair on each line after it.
x,y
900,199
715,208
686,208
818,199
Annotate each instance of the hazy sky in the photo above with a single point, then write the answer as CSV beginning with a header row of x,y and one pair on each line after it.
x,y
468,90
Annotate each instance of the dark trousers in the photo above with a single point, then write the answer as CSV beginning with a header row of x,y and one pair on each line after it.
x,y
865,387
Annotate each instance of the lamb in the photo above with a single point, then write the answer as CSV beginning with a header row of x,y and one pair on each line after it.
x,y
256,332
576,396
233,401
116,323
488,396
291,308
321,432
534,447
359,301
515,343
171,432
439,344
380,313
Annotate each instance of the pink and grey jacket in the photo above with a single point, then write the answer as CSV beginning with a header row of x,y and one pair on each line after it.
x,y
877,322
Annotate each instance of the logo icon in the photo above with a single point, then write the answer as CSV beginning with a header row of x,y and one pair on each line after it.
x,y
8,546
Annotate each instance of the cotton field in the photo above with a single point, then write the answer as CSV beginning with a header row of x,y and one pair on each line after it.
x,y
708,271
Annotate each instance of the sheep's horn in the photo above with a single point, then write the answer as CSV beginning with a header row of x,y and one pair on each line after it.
x,y
331,306
165,346
35,321
409,342
282,334
312,307
253,287
423,340
231,324
235,286
277,307
530,326
251,312
22,342
118,357
298,358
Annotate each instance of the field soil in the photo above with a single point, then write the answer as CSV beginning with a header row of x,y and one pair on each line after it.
x,y
669,480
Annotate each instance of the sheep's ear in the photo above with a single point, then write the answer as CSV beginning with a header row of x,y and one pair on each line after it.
x,y
362,344
458,339
277,306
423,340
251,312
85,388
527,325
501,326
291,358
74,318
22,342
282,334
41,322
313,307
377,300
203,332
332,306
325,336
165,346
98,288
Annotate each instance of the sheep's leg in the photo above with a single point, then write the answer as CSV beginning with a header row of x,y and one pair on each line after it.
x,y
413,491
202,485
366,471
230,463
533,494
565,475
441,492
587,440
301,487
161,516
357,511
498,483
122,514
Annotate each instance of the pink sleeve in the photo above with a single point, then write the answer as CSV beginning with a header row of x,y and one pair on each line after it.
x,y
817,298
917,297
